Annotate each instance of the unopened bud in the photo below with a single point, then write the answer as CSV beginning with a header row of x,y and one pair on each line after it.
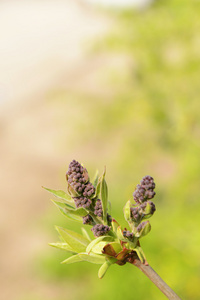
x,y
147,209
143,229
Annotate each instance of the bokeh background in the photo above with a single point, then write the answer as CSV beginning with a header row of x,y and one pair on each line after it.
x,y
107,85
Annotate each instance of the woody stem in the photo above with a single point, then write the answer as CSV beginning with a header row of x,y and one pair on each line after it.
x,y
157,280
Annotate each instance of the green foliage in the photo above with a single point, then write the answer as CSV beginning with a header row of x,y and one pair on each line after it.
x,y
70,212
76,241
60,194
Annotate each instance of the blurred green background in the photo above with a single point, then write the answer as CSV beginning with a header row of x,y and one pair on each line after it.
x,y
135,108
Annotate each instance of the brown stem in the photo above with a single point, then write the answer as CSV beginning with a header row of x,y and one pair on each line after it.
x,y
156,279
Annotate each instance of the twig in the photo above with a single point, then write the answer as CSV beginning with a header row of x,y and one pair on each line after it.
x,y
156,279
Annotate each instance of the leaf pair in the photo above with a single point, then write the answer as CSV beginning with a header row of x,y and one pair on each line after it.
x,y
84,256
76,243
65,206
60,194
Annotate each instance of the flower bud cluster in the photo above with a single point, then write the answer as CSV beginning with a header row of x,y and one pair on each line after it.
x,y
82,202
100,229
148,207
141,210
128,234
87,220
109,218
141,226
98,211
135,214
144,190
78,179
83,194
89,190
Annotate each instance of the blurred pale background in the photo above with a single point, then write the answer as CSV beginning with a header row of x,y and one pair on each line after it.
x,y
106,85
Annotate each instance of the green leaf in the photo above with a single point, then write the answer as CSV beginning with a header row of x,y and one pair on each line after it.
x,y
99,247
63,205
97,192
131,245
82,212
71,191
146,227
92,258
104,196
96,241
127,211
104,268
95,180
77,242
120,235
85,234
71,216
115,225
116,246
71,212
140,254
60,194
148,211
72,259
85,174
63,246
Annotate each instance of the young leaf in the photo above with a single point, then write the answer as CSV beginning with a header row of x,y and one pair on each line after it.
x,y
131,245
112,249
96,241
115,225
71,191
104,196
120,235
70,212
77,242
63,246
127,211
63,205
145,229
98,248
140,254
116,246
85,174
108,250
97,192
71,216
95,180
60,194
72,259
121,255
85,234
103,269
92,258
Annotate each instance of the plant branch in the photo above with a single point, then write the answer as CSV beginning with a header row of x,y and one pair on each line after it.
x,y
156,279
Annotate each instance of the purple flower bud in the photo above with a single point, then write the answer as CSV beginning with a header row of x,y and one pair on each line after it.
x,y
135,214
128,234
98,208
88,220
145,190
82,202
100,229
